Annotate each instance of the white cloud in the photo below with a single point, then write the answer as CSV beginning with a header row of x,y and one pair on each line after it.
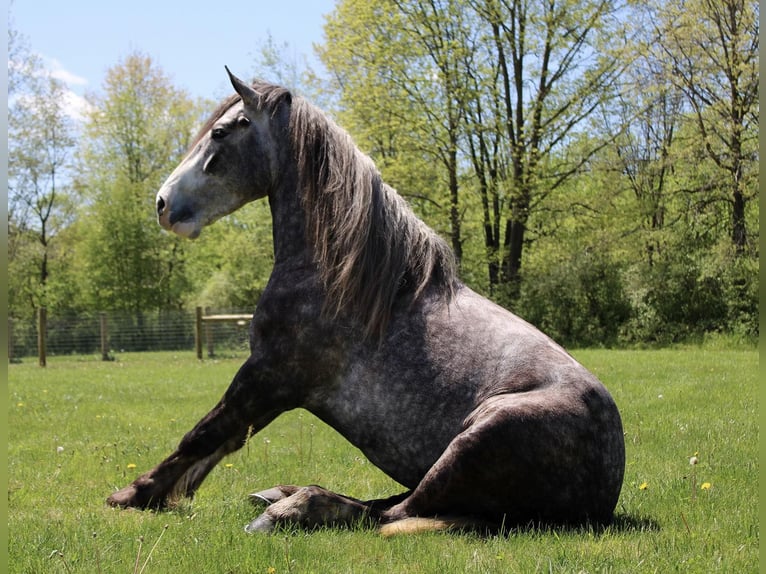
x,y
75,106
58,71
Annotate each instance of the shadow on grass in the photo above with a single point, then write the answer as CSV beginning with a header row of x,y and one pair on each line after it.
x,y
622,523
630,523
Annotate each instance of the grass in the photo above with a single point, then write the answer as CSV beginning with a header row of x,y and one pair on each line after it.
x,y
78,427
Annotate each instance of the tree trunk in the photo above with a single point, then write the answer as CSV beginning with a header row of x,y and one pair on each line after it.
x,y
454,215
514,242
738,227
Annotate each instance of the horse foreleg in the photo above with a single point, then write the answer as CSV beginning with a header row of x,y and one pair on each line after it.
x,y
181,473
223,430
312,506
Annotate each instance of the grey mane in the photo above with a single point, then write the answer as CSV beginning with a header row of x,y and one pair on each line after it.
x,y
369,246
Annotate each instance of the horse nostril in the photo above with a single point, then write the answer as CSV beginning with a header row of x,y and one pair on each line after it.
x,y
160,206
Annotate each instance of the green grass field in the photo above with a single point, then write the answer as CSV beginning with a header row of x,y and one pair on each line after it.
x,y
81,428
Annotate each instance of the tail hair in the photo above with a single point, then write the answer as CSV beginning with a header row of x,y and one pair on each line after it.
x,y
417,525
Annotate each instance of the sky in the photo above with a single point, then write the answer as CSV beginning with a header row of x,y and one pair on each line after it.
x,y
79,40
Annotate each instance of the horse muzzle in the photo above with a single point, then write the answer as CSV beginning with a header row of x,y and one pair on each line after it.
x,y
180,221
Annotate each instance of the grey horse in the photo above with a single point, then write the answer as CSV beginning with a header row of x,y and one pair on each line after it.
x,y
482,418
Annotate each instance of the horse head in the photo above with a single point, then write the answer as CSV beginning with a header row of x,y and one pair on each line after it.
x,y
232,161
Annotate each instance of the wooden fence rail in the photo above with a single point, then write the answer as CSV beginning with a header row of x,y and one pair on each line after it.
x,y
201,326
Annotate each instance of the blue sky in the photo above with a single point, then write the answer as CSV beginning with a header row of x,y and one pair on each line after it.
x,y
191,41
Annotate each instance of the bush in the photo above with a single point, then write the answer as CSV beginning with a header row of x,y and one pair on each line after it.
x,y
686,297
579,302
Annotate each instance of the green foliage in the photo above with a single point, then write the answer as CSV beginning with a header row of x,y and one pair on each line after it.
x,y
400,68
109,416
231,261
602,184
123,268
679,303
135,135
690,294
40,147
579,301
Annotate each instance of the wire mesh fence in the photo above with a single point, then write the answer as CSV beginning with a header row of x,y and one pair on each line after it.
x,y
121,332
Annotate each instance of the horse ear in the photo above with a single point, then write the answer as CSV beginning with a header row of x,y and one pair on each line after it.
x,y
248,94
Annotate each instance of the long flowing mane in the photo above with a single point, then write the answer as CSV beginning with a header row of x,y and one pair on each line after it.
x,y
370,247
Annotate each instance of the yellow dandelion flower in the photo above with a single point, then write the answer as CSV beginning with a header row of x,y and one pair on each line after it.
x,y
271,570
131,466
643,486
705,486
228,465
19,404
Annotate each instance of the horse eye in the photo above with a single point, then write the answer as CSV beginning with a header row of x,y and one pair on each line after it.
x,y
218,133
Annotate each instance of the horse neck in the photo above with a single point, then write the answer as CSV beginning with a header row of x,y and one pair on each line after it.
x,y
287,218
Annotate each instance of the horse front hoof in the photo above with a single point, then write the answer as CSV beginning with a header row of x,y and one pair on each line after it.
x,y
132,496
124,498
264,523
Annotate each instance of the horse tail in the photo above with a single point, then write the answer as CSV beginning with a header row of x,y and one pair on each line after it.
x,y
416,525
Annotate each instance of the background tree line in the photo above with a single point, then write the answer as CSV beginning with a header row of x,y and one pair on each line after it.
x,y
593,163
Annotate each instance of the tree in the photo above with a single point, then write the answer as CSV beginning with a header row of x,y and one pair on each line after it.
x,y
41,144
711,47
277,63
136,133
558,60
461,73
648,116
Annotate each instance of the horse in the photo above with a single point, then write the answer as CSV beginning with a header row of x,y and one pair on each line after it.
x,y
484,420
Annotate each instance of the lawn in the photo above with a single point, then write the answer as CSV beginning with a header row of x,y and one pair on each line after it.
x,y
80,428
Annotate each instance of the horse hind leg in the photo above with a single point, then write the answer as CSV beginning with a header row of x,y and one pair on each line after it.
x,y
519,461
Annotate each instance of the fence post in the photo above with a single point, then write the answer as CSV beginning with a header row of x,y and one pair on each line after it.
x,y
104,337
209,336
42,327
10,340
198,333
